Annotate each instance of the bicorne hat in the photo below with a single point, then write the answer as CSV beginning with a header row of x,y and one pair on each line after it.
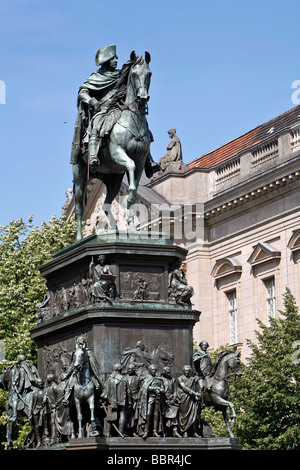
x,y
104,54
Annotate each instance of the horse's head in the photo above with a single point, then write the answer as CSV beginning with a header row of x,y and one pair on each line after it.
x,y
140,75
78,357
162,356
234,363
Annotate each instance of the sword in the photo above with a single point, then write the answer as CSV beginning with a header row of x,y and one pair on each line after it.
x,y
114,426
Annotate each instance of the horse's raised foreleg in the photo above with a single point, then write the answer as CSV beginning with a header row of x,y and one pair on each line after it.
x,y
79,180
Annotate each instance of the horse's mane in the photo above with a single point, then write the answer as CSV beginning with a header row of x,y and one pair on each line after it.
x,y
121,86
218,360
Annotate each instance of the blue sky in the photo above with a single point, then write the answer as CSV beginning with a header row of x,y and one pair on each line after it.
x,y
219,69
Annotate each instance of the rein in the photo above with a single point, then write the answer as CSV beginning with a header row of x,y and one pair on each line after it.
x,y
219,377
123,106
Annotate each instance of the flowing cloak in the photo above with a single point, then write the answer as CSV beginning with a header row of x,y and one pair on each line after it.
x,y
102,288
116,392
174,148
136,355
28,376
170,410
94,367
179,284
148,381
188,406
98,83
174,152
202,363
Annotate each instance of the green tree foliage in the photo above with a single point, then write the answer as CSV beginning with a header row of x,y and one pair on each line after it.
x,y
268,393
23,249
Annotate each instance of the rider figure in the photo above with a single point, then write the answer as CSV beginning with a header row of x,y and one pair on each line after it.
x,y
94,99
71,374
24,381
202,363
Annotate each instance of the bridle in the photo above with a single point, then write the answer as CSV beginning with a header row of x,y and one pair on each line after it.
x,y
219,377
141,104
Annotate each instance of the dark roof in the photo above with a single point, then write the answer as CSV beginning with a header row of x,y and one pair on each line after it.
x,y
247,140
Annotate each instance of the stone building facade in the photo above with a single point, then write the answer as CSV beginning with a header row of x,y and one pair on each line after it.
x,y
242,203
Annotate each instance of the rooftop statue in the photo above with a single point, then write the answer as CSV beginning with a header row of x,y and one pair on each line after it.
x,y
111,135
172,160
174,151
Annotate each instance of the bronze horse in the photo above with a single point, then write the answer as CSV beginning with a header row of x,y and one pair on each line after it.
x,y
216,392
84,388
125,149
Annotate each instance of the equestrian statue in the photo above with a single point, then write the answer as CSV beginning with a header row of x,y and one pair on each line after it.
x,y
111,135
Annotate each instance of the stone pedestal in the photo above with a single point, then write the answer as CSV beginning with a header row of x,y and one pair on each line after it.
x,y
131,304
134,445
133,315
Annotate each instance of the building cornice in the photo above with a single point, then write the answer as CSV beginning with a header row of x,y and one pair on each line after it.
x,y
212,209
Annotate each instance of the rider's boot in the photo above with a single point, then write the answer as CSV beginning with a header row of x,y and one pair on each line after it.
x,y
122,421
175,432
195,429
107,428
38,436
147,425
155,426
93,150
151,167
